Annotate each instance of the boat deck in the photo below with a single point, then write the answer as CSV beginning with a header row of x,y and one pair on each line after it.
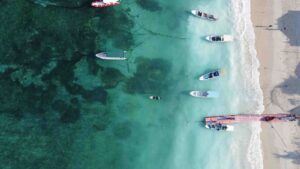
x,y
250,118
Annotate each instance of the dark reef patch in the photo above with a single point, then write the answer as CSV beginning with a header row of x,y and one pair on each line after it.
x,y
71,4
48,43
103,121
150,5
70,115
152,76
41,46
16,99
122,130
93,67
111,77
97,94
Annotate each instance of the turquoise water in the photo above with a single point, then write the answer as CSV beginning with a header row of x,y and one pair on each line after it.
x,y
63,108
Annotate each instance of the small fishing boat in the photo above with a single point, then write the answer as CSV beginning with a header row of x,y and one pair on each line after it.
x,y
112,56
219,127
105,3
203,15
211,75
154,97
204,94
219,38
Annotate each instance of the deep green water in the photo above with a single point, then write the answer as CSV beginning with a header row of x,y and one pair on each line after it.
x,y
62,108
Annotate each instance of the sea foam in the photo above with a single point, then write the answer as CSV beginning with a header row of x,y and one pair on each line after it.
x,y
249,70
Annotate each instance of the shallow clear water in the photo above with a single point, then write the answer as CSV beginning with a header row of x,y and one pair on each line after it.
x,y
109,122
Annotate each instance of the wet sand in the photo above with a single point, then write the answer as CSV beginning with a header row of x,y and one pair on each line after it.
x,y
276,25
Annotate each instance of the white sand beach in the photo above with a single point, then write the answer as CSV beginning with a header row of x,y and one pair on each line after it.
x,y
276,25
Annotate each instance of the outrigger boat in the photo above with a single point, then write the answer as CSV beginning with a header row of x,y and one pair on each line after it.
x,y
204,94
154,97
108,56
219,38
203,15
211,75
230,119
105,3
220,127
217,122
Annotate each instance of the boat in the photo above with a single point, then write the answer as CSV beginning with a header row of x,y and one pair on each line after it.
x,y
104,3
203,15
154,97
204,94
219,38
112,56
230,119
211,75
219,127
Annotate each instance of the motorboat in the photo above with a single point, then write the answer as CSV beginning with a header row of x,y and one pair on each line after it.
x,y
112,56
204,94
219,38
203,15
219,127
211,75
105,3
154,97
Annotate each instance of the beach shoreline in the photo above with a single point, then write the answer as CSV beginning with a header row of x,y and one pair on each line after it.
x,y
274,25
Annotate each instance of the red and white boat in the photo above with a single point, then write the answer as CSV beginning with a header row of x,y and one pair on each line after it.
x,y
230,119
105,3
223,122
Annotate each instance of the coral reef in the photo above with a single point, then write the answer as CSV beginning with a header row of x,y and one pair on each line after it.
x,y
150,5
41,105
62,3
111,77
151,76
122,130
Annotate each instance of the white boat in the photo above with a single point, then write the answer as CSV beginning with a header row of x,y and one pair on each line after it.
x,y
154,97
211,75
203,15
105,3
219,127
219,38
204,94
108,56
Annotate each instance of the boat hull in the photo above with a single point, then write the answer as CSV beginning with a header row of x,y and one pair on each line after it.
x,y
224,38
195,13
250,118
207,76
204,94
228,128
102,5
203,77
105,57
